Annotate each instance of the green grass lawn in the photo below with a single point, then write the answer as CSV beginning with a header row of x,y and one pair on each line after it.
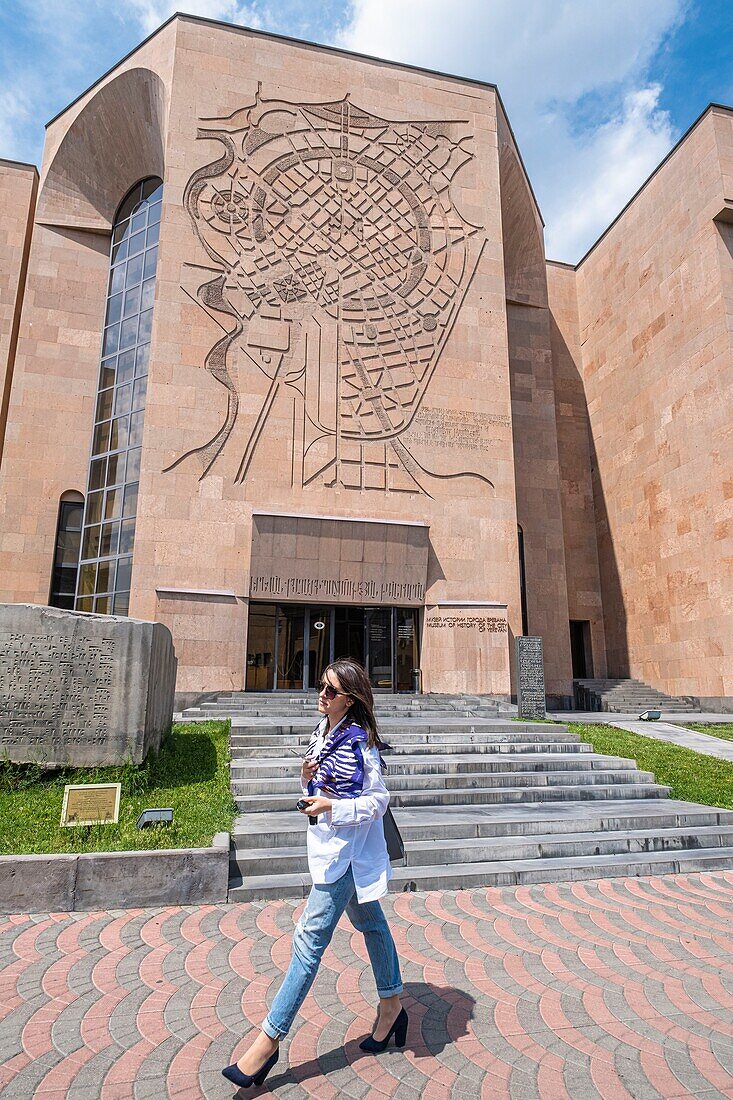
x,y
189,774
692,776
723,730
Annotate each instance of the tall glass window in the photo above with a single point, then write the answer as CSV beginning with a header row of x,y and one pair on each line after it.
x,y
114,467
522,580
66,555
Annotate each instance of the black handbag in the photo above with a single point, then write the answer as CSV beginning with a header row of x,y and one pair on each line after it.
x,y
395,843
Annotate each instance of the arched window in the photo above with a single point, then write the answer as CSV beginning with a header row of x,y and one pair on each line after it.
x,y
114,467
522,580
66,554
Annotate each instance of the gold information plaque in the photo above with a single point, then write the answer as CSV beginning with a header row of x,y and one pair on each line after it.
x,y
91,804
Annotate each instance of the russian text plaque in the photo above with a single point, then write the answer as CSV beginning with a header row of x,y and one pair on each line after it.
x,y
530,678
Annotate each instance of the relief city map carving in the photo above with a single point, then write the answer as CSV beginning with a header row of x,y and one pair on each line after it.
x,y
340,264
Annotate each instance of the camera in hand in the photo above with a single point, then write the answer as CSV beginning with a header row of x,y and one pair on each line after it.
x,y
302,804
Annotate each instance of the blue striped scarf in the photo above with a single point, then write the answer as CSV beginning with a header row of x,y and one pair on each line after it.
x,y
341,762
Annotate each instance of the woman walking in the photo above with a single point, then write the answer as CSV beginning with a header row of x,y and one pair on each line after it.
x,y
345,800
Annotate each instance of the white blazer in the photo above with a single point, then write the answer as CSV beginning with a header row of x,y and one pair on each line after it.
x,y
353,833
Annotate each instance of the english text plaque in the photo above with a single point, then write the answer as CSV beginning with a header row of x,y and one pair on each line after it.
x,y
91,804
530,678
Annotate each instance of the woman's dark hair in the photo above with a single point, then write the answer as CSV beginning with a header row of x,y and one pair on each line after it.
x,y
355,682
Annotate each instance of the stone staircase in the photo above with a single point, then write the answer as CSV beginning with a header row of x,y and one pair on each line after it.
x,y
480,799
624,696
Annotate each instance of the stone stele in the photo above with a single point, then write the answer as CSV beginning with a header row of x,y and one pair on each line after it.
x,y
82,689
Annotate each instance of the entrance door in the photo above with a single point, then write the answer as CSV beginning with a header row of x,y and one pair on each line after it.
x,y
405,647
349,634
378,621
580,649
289,645
320,637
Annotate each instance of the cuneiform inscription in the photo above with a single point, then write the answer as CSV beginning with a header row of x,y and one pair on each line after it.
x,y
317,587
482,623
54,691
456,428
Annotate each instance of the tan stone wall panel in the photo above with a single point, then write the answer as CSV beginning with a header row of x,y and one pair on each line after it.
x,y
573,444
18,185
186,406
653,302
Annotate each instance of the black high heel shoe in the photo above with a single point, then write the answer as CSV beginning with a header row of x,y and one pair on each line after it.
x,y
243,1080
398,1029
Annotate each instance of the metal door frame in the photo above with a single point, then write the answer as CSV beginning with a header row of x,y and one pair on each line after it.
x,y
280,610
367,652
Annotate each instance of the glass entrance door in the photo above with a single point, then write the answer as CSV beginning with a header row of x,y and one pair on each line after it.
x,y
320,640
289,645
378,623
405,647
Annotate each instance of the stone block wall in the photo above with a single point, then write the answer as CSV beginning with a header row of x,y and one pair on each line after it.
x,y
574,457
654,306
18,187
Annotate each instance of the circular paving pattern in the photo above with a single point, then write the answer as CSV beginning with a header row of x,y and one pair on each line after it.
x,y
616,989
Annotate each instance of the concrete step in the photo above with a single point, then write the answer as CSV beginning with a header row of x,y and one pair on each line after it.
x,y
438,742
466,796
241,753
389,726
273,701
428,853
395,727
626,708
466,781
506,873
291,736
434,764
619,695
218,712
457,823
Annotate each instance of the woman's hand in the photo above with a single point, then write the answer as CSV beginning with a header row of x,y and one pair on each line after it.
x,y
317,804
309,769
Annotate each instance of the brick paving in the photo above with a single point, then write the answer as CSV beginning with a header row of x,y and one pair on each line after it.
x,y
615,989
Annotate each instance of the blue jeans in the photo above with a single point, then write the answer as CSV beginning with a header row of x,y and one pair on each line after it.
x,y
312,936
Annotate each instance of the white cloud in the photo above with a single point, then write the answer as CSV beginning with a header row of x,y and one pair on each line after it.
x,y
615,160
151,13
553,61
19,130
573,75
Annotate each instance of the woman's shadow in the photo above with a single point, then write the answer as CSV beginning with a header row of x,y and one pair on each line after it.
x,y
438,1015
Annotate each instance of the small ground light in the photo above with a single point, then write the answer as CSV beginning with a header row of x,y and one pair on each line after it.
x,y
155,817
650,715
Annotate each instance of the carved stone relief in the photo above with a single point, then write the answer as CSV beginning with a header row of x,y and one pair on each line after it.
x,y
340,262
82,689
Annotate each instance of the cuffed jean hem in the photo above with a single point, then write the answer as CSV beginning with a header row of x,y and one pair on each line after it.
x,y
269,1029
393,991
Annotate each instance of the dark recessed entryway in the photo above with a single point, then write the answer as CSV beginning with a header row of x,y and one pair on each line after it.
x,y
289,645
580,648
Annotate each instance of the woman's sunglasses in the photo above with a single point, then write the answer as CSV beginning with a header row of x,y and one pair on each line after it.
x,y
329,691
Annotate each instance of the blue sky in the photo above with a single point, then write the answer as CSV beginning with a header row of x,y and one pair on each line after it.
x,y
597,90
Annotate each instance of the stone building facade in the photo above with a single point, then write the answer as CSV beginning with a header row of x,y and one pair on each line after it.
x,y
281,352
